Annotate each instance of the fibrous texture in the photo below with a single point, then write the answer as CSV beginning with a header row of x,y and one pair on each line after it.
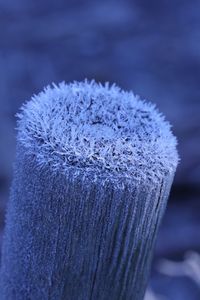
x,y
93,171
88,125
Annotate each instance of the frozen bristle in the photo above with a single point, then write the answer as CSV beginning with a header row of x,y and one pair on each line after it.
x,y
99,127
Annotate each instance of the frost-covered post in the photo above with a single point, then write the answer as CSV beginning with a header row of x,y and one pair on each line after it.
x,y
93,171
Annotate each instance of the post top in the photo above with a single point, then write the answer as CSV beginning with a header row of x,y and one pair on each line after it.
x,y
99,127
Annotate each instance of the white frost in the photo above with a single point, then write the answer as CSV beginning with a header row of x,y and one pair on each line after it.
x,y
91,125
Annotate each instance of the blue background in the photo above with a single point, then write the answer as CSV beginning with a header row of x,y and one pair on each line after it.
x,y
151,47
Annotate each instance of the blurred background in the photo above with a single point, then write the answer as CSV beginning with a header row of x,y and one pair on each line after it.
x,y
150,47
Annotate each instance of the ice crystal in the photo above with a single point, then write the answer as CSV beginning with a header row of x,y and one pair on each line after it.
x,y
102,127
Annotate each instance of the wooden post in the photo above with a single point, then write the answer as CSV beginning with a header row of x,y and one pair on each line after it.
x,y
93,172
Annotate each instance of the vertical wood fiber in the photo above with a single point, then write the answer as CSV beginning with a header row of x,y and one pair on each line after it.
x,y
75,236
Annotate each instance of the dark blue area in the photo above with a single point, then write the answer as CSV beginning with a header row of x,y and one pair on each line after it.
x,y
151,47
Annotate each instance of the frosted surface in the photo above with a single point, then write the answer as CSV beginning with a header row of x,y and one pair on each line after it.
x,y
95,126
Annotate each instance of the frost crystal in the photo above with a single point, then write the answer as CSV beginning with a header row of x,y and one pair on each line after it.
x,y
101,127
